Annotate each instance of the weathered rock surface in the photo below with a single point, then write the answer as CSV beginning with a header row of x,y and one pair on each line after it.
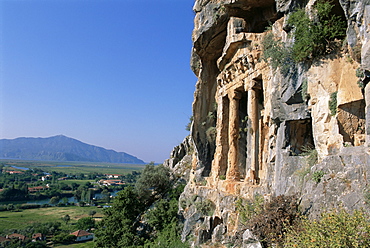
x,y
252,124
180,160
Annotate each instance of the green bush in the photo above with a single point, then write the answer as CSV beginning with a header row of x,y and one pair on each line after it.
x,y
85,223
304,93
153,181
163,219
188,126
211,134
337,229
304,34
317,175
206,207
249,208
333,103
312,38
360,74
163,213
310,154
119,226
63,238
275,53
169,237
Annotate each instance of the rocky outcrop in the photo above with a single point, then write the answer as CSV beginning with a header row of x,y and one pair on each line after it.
x,y
180,160
254,126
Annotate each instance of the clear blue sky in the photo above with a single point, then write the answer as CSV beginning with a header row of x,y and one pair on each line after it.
x,y
111,73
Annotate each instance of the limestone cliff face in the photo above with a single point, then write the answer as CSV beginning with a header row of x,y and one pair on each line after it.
x,y
252,123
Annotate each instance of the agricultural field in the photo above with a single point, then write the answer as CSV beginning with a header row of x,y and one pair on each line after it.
x,y
20,219
76,167
88,244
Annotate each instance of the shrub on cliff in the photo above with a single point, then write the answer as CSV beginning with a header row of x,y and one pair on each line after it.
x,y
249,208
276,53
271,223
312,37
335,229
333,103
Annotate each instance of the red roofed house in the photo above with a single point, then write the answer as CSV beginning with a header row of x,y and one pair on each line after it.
x,y
2,239
38,237
16,236
82,235
111,182
15,172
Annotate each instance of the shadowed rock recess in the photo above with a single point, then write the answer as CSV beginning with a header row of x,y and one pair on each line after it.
x,y
254,125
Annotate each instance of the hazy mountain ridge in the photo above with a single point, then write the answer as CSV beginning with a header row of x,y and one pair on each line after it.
x,y
61,148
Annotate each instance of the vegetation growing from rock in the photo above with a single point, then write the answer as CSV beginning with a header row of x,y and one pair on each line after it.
x,y
276,53
205,206
312,37
317,175
336,228
333,103
310,154
279,223
271,223
304,91
188,126
249,208
360,74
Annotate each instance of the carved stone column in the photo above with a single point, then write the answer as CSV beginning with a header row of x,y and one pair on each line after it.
x,y
254,129
219,166
232,169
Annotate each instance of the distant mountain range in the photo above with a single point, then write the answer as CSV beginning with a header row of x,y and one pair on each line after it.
x,y
60,148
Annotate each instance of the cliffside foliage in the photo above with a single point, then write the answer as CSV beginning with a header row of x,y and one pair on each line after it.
x,y
334,229
304,91
312,37
269,220
188,126
333,103
360,74
206,207
249,208
317,175
271,224
276,53
279,223
311,155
